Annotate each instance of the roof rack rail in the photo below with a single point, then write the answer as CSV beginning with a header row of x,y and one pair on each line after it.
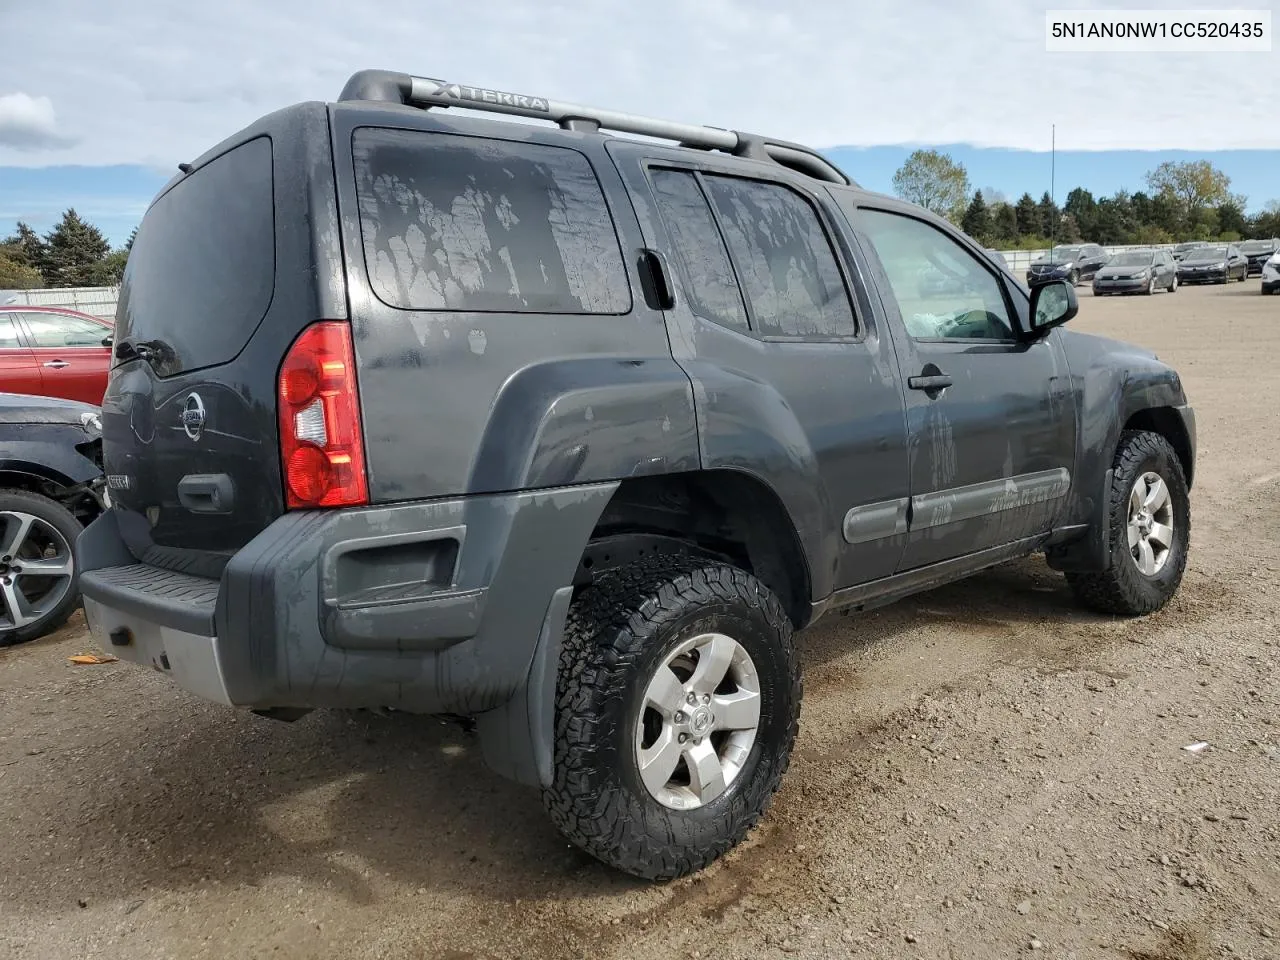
x,y
424,92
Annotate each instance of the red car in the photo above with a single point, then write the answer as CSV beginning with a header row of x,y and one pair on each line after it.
x,y
52,352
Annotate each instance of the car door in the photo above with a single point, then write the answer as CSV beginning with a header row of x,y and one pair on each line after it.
x,y
794,379
1168,268
991,423
18,370
1095,260
70,354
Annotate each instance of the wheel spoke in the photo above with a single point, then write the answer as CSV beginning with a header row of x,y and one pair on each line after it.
x,y
665,692
16,604
1157,495
1135,533
737,711
1146,558
714,658
17,534
658,762
53,567
1136,497
706,777
1162,534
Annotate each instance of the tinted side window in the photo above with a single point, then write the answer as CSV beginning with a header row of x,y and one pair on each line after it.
x,y
463,223
701,259
942,290
785,262
59,330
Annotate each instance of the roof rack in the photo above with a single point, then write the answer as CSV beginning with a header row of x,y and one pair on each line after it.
x,y
424,92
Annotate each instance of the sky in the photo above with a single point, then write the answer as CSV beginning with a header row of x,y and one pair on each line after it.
x,y
140,85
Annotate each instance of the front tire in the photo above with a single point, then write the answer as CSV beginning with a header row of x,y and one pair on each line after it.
x,y
1149,530
639,642
1173,284
1073,278
1151,286
38,581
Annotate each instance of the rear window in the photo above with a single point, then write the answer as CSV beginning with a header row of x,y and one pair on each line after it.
x,y
201,273
472,224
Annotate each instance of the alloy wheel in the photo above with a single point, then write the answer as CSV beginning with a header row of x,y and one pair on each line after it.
x,y
36,569
698,721
1150,524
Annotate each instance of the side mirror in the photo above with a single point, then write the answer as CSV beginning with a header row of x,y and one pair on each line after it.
x,y
1052,305
109,339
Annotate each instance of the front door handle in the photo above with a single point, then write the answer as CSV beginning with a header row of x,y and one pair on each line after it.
x,y
57,364
936,381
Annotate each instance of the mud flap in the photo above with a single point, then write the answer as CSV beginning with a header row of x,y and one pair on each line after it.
x,y
1092,552
517,739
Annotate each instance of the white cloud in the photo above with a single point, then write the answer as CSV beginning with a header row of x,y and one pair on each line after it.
x,y
28,123
157,81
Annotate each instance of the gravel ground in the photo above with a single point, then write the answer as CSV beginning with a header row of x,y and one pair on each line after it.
x,y
982,771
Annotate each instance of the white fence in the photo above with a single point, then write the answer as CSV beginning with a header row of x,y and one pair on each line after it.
x,y
96,301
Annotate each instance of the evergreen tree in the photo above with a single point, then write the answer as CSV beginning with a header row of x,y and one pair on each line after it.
x,y
1049,217
1028,216
25,248
1083,209
75,248
1004,223
976,221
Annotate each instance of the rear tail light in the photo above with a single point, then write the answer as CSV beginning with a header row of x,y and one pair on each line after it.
x,y
321,442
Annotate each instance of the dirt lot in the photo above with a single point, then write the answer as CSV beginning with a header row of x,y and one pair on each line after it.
x,y
982,771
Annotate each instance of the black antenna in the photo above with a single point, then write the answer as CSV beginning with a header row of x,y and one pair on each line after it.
x,y
1053,196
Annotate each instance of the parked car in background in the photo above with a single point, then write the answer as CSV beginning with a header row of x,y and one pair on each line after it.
x,y
1074,264
51,485
1182,249
53,352
1271,275
1258,253
1137,271
1213,263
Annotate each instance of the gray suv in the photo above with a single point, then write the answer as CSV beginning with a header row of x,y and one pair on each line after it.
x,y
570,433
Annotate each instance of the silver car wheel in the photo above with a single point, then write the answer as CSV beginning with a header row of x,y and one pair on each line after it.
x,y
36,568
1150,524
698,721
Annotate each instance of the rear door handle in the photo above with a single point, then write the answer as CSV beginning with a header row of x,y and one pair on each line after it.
x,y
57,364
937,381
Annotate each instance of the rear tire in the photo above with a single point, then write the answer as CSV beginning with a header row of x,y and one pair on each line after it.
x,y
622,633
1124,588
35,529
1173,284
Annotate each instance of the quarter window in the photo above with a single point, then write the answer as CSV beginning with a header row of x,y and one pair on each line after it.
x,y
701,260
8,332
784,260
465,223
942,290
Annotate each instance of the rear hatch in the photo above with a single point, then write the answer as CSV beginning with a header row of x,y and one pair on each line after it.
x,y
220,280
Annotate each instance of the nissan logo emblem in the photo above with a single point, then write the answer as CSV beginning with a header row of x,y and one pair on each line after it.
x,y
193,416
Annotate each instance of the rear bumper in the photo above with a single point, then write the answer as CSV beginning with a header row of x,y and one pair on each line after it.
x,y
430,607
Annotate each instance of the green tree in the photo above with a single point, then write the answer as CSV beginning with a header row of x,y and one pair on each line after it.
x,y
1004,223
25,247
1231,218
18,276
934,181
1050,216
1266,225
1190,187
109,271
976,221
75,249
1028,215
1082,208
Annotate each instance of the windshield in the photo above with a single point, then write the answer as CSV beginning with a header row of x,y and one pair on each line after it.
x,y
1210,253
1258,246
1060,254
1135,259
1187,246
